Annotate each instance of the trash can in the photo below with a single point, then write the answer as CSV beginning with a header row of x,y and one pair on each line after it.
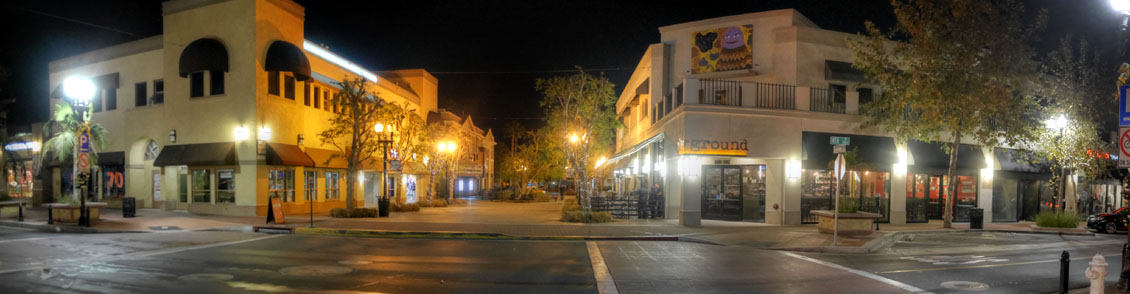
x,y
129,207
977,218
382,207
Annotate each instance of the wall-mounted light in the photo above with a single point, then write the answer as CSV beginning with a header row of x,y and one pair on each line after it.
x,y
689,166
173,135
900,166
301,139
793,170
264,133
241,133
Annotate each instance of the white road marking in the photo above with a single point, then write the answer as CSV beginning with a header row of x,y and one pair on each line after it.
x,y
138,254
868,275
604,282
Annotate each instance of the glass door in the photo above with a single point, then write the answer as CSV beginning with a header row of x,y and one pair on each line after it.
x,y
732,193
753,193
712,192
934,198
916,198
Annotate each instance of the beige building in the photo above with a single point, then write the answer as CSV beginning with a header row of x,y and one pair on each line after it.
x,y
221,113
735,117
474,172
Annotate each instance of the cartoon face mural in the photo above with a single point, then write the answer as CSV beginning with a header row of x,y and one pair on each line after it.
x,y
722,49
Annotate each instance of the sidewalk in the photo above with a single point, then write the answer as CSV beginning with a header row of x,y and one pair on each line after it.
x,y
525,220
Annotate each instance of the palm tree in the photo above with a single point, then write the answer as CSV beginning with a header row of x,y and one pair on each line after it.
x,y
62,144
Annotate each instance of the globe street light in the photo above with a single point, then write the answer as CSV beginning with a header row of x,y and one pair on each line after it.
x,y
385,135
1122,6
79,92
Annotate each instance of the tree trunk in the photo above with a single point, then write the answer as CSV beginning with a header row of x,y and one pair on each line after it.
x,y
951,191
431,186
350,183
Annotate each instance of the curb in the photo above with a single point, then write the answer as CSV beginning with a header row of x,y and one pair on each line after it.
x,y
62,228
889,239
480,236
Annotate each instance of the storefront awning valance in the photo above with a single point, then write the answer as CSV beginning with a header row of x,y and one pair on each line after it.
x,y
203,54
931,157
878,153
286,154
632,150
284,56
1019,161
327,158
842,71
112,158
203,154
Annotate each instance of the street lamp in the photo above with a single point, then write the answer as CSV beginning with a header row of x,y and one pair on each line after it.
x,y
446,150
1122,6
1059,123
80,91
385,135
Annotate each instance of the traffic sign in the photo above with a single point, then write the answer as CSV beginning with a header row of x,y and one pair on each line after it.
x,y
841,140
1124,147
840,166
837,149
84,142
1123,108
83,161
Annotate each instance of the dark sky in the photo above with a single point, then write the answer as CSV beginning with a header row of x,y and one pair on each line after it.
x,y
486,54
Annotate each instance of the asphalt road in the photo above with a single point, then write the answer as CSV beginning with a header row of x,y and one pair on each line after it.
x,y
238,262
987,262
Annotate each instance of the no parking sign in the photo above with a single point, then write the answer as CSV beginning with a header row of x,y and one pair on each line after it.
x,y
1124,147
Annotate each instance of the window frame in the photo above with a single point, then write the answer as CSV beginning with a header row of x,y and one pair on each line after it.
x,y
140,94
207,191
282,188
288,86
158,92
333,185
274,86
230,191
311,186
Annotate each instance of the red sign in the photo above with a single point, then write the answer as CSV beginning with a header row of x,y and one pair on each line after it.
x,y
1124,147
275,211
83,160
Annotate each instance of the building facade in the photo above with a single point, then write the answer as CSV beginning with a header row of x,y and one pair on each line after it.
x,y
221,113
734,118
474,172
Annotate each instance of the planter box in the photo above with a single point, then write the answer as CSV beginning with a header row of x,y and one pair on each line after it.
x,y
851,224
69,213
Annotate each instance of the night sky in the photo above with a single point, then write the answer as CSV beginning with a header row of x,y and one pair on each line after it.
x,y
486,54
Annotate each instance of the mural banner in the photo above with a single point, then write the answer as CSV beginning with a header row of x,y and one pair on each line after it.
x,y
722,49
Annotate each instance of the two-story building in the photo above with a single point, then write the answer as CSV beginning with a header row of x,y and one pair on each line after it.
x,y
222,112
736,118
474,172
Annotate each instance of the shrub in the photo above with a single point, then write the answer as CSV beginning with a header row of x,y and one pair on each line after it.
x,y
505,195
410,207
571,205
363,212
541,196
1057,220
439,203
572,216
601,217
339,213
577,216
849,205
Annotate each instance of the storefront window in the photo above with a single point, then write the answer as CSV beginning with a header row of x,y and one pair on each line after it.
x,y
1006,200
280,184
225,186
410,189
332,185
311,185
113,182
867,190
929,193
817,187
201,186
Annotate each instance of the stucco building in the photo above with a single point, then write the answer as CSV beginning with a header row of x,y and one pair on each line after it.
x,y
221,112
734,118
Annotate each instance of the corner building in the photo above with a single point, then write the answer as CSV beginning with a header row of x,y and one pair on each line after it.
x,y
221,113
733,119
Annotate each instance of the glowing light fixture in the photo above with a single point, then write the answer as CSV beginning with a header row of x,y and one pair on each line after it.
x,y
792,168
17,146
1122,6
80,89
689,166
241,133
264,133
338,60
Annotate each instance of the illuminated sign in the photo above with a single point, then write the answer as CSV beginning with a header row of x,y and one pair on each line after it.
x,y
713,147
333,58
17,146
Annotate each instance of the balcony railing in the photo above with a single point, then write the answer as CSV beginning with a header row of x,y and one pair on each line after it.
x,y
720,92
827,100
747,94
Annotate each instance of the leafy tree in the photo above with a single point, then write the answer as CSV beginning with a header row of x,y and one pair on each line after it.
x,y
351,130
960,69
437,159
580,122
1072,88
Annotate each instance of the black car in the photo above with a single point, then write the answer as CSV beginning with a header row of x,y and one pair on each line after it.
x,y
1109,223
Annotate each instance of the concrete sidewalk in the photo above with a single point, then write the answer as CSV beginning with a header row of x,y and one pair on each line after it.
x,y
525,220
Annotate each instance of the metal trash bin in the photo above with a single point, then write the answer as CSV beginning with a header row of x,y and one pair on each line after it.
x,y
129,207
977,218
382,207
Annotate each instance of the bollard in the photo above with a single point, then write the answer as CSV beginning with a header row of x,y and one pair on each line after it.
x,y
1064,263
1124,276
50,219
21,211
1097,274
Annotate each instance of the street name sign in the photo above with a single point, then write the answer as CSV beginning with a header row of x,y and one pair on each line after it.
x,y
1124,147
837,149
841,140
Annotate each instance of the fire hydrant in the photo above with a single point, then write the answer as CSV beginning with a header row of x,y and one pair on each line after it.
x,y
1097,274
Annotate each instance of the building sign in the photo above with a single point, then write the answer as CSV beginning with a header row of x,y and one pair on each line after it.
x,y
469,169
1124,147
722,49
713,147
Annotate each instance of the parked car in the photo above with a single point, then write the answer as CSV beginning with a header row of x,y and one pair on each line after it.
x,y
1109,223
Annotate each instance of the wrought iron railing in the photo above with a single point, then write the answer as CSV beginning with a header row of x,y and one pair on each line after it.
x,y
720,92
827,100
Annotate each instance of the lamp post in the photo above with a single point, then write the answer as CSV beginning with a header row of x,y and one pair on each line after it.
x,y
1059,124
79,91
385,135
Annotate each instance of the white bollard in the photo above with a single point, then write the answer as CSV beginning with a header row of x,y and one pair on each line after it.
x,y
1097,274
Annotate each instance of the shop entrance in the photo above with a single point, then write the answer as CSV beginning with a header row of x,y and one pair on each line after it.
x,y
926,197
734,192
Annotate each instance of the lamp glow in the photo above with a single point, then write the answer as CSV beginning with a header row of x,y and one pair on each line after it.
x,y
1120,5
573,138
241,133
792,168
264,133
79,89
1057,123
379,128
689,166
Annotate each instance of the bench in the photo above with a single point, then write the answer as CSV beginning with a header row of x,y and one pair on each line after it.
x,y
69,213
16,203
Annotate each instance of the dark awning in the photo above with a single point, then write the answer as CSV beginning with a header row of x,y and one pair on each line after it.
x,y
112,158
203,54
644,87
842,71
284,56
286,154
222,153
930,157
877,152
1020,161
326,158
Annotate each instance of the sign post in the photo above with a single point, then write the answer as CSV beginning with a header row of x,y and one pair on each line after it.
x,y
1123,108
840,166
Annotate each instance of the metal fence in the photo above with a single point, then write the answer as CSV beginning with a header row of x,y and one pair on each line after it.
x,y
629,207
827,100
775,96
720,92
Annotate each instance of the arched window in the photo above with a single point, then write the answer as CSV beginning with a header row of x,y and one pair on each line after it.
x,y
200,57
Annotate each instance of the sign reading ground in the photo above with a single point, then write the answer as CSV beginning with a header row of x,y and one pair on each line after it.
x,y
1124,147
713,147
